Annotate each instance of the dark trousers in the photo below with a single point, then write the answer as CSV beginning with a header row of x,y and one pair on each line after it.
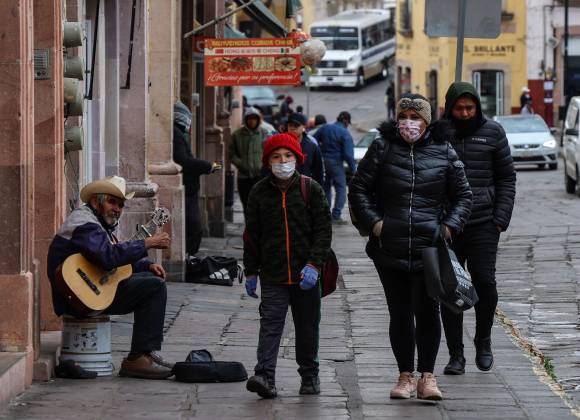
x,y
305,305
476,247
244,187
193,230
415,319
145,294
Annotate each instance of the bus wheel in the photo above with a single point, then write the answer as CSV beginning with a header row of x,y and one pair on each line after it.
x,y
360,80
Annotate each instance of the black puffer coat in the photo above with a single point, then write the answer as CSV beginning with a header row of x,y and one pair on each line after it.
x,y
485,152
413,189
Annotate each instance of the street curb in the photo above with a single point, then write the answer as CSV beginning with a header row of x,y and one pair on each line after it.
x,y
538,359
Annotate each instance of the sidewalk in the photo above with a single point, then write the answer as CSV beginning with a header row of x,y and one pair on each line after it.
x,y
357,365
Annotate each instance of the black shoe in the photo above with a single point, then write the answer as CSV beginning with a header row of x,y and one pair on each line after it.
x,y
456,365
310,386
261,386
483,354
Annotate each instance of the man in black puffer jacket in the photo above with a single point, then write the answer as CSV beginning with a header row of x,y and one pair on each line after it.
x,y
483,148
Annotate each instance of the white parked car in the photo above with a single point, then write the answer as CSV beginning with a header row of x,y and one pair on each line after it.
x,y
571,147
531,140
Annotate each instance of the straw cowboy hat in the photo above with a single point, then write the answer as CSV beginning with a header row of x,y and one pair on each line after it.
x,y
112,185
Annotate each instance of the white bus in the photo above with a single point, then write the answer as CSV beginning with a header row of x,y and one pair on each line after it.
x,y
359,44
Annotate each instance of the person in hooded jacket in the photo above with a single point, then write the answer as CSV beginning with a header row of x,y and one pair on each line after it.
x,y
313,165
410,185
286,242
483,148
245,151
192,169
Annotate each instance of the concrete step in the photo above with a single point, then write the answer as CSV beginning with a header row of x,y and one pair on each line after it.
x,y
12,376
50,343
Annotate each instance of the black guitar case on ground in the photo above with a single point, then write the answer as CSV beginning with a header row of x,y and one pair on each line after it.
x,y
201,367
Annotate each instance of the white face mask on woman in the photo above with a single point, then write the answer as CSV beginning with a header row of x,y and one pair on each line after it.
x,y
284,171
410,130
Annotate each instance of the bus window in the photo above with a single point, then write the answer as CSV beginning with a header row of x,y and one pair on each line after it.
x,y
337,38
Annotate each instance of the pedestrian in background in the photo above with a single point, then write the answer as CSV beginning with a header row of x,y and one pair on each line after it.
x,y
285,108
192,169
313,165
286,243
245,152
527,109
390,101
483,148
319,121
410,185
525,97
337,147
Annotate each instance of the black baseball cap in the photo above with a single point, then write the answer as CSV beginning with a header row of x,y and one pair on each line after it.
x,y
344,116
298,118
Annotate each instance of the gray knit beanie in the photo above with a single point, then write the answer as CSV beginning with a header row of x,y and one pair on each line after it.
x,y
417,104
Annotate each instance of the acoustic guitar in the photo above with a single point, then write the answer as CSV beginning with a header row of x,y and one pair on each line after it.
x,y
89,289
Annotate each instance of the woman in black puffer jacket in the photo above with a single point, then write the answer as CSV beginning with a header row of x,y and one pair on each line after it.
x,y
409,185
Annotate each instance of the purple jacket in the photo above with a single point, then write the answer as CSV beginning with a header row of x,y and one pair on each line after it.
x,y
83,232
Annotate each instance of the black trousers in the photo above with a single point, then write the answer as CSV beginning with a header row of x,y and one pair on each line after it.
x,y
193,229
244,187
415,319
145,294
305,305
476,247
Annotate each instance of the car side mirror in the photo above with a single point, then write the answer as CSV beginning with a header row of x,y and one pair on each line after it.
x,y
571,132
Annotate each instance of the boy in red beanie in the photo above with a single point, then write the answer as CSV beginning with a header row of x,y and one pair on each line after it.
x,y
286,243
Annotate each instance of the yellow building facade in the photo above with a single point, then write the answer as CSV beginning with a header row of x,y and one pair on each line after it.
x,y
497,67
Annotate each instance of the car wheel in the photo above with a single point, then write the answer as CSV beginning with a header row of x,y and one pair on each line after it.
x,y
360,80
569,182
553,166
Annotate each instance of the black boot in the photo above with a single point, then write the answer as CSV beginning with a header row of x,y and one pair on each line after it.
x,y
261,386
456,365
483,354
310,386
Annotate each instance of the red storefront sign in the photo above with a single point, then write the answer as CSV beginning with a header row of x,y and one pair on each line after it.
x,y
252,61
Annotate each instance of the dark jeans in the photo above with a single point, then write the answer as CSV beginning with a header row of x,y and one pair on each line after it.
x,y
335,177
414,319
305,306
476,246
145,294
193,230
244,187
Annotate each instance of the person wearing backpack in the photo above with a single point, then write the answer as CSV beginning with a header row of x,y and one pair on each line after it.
x,y
409,185
286,243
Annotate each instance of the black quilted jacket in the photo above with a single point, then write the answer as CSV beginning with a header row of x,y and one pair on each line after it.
x,y
413,189
488,164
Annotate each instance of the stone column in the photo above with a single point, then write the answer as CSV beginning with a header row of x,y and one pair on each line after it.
x,y
164,45
17,175
48,146
214,140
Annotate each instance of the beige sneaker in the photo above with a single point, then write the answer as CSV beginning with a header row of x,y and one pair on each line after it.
x,y
406,386
427,388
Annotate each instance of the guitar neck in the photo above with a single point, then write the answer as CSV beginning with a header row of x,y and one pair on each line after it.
x,y
144,231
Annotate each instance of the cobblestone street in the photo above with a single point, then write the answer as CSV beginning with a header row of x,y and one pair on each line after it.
x,y
538,292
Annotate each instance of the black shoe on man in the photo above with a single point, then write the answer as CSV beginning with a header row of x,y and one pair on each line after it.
x,y
456,365
483,354
310,386
262,386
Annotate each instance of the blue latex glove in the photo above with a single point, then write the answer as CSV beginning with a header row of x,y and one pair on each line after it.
x,y
251,285
309,276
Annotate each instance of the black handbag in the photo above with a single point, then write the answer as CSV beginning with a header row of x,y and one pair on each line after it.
x,y
216,270
445,278
199,366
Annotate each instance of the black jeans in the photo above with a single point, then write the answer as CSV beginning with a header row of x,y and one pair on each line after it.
x,y
414,319
145,294
476,246
244,187
193,230
305,306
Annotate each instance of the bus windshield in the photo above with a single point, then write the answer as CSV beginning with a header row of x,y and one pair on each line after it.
x,y
337,37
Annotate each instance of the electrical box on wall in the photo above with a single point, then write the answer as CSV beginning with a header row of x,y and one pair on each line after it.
x,y
42,70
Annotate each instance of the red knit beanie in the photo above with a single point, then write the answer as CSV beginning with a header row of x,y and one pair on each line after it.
x,y
286,140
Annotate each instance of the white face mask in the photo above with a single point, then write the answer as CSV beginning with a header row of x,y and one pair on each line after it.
x,y
284,170
410,130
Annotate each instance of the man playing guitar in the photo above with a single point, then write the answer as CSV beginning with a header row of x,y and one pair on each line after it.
x,y
89,230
